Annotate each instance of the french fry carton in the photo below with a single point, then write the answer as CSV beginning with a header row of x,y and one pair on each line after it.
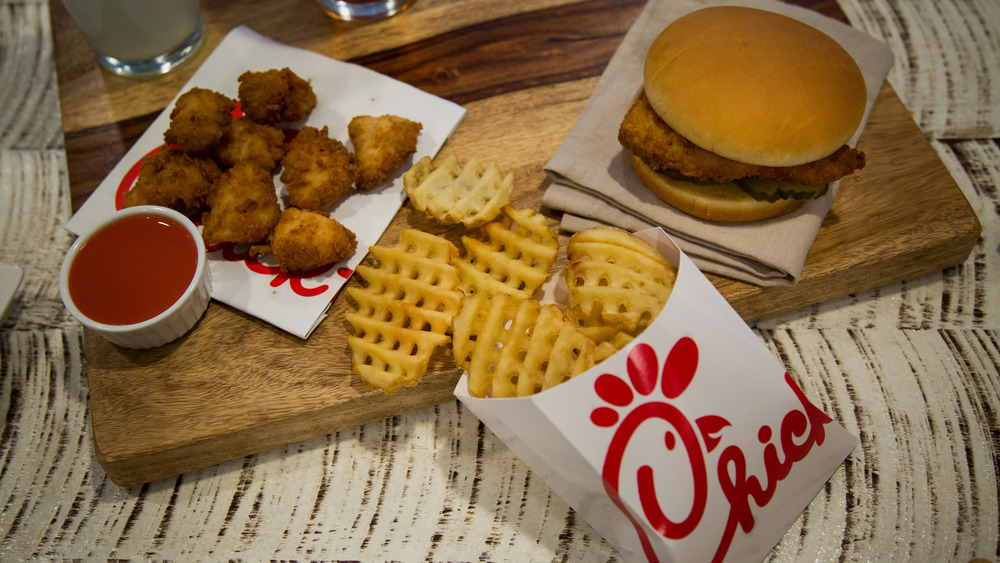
x,y
692,443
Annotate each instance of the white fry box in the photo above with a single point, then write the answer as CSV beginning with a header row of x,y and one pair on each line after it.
x,y
690,444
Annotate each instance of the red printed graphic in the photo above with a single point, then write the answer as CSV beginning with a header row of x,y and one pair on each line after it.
x,y
800,430
294,279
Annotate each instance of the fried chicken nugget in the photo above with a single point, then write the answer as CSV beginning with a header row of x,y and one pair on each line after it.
x,y
382,144
318,170
245,140
198,120
305,240
243,206
275,96
170,178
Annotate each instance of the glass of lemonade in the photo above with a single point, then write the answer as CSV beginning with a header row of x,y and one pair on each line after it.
x,y
140,37
364,10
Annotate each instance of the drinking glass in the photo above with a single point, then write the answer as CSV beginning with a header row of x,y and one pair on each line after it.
x,y
140,37
364,10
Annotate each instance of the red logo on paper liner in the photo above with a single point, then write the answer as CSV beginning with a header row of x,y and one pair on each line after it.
x,y
799,432
294,279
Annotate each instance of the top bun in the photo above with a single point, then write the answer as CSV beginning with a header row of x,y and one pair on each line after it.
x,y
755,86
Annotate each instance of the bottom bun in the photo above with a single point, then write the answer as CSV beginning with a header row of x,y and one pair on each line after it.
x,y
713,202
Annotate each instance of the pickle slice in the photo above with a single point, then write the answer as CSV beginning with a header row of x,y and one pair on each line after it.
x,y
772,190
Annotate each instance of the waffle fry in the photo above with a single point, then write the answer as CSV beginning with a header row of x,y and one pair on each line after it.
x,y
405,311
514,348
618,284
451,194
514,258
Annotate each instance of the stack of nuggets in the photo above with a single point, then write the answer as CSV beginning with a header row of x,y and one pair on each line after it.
x,y
222,169
405,311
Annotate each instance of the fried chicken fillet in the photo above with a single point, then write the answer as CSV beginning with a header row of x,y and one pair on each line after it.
x,y
198,120
305,240
243,206
172,178
645,135
382,144
275,96
318,170
245,140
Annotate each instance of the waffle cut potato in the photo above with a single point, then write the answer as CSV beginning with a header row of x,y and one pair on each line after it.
x,y
452,194
618,283
405,310
514,256
517,347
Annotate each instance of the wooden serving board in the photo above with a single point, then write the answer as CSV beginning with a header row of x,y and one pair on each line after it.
x,y
235,385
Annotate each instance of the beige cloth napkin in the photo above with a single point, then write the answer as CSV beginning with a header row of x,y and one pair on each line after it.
x,y
593,183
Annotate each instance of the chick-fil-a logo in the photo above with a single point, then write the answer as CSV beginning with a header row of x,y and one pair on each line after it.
x,y
294,279
800,430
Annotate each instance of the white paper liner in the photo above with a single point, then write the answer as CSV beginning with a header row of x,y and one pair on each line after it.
x,y
727,398
295,303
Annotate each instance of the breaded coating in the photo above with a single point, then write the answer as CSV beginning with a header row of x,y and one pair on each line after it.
x,y
645,135
317,170
198,120
275,96
243,206
305,240
170,178
244,140
382,144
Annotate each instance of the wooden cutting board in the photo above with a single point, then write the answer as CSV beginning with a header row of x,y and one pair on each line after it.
x,y
235,385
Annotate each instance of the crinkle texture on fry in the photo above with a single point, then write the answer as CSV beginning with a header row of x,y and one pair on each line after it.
x,y
243,206
514,256
245,140
306,240
618,284
317,170
198,120
275,96
450,193
170,178
381,144
405,310
517,347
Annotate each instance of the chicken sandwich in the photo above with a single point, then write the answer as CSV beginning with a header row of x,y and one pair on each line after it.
x,y
744,114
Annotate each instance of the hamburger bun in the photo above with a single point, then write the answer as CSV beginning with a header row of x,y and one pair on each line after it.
x,y
759,89
755,86
712,201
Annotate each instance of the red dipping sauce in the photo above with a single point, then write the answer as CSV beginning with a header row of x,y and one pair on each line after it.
x,y
132,270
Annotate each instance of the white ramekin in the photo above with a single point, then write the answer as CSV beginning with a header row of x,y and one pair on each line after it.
x,y
168,325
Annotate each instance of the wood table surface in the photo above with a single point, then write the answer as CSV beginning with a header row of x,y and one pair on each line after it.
x,y
908,362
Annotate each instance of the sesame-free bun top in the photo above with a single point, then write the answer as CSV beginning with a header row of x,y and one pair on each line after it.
x,y
755,86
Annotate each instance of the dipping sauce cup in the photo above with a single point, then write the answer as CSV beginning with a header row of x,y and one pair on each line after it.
x,y
139,278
